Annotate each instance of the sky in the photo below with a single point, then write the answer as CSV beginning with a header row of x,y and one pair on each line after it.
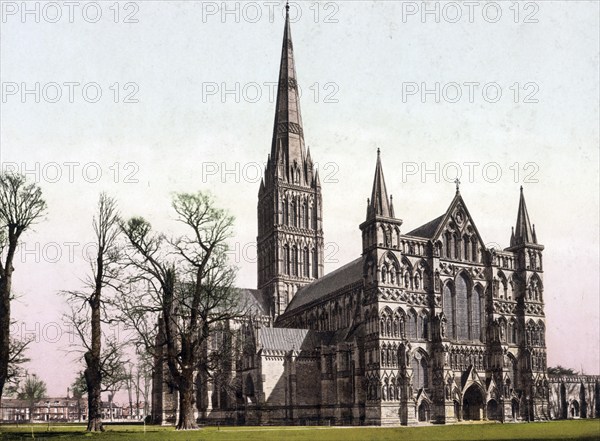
x,y
144,99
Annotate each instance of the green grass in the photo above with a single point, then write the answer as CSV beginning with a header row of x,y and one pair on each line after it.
x,y
554,430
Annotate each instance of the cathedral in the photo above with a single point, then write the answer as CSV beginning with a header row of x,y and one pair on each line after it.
x,y
427,326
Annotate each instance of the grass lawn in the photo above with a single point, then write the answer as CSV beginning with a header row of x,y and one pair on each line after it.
x,y
554,430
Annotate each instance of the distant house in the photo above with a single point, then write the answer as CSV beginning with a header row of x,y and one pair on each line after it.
x,y
136,412
59,409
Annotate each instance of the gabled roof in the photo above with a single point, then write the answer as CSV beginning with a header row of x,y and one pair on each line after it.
x,y
428,230
433,229
346,275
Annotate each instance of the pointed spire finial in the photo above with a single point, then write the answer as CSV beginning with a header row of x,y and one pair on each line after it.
x,y
287,6
380,204
523,231
457,182
288,134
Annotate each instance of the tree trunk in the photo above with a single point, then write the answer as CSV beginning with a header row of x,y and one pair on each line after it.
x,y
93,376
187,421
5,283
92,379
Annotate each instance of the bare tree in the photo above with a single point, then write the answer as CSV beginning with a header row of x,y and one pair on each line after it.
x,y
137,384
17,359
143,381
188,284
130,388
21,206
88,310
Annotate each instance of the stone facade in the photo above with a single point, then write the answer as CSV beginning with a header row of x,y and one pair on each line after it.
x,y
574,396
425,326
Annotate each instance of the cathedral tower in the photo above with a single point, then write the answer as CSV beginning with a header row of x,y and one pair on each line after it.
x,y
530,313
290,232
381,229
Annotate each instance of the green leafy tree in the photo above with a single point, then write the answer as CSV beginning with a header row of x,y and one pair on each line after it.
x,y
32,390
560,370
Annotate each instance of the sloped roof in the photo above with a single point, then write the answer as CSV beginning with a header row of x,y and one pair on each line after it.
x,y
308,340
428,230
347,334
433,229
286,339
341,277
253,299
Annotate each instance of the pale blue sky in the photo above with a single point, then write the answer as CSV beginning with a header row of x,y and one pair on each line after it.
x,y
174,136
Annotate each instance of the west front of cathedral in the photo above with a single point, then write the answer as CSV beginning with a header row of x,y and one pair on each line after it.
x,y
428,326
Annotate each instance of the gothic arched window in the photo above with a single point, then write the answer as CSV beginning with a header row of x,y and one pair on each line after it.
x,y
456,246
286,212
512,332
294,261
306,216
286,259
301,215
424,327
294,213
474,254
420,374
306,262
448,309
476,314
462,308
412,325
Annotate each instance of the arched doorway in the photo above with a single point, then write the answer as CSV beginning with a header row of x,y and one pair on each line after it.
x,y
515,409
493,411
423,412
250,389
575,409
457,410
473,404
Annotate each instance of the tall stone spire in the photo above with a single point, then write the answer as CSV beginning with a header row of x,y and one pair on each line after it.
x,y
287,149
379,204
381,228
290,246
523,232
